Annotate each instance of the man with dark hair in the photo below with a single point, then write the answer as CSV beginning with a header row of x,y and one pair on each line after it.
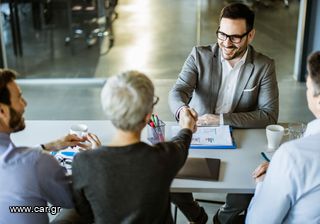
x,y
227,82
229,77
290,190
29,177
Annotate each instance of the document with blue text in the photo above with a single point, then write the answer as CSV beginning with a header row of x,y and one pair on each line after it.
x,y
210,137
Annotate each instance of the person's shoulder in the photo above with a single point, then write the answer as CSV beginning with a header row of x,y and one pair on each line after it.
x,y
92,154
306,144
30,157
45,162
160,147
299,148
206,48
43,156
171,147
83,155
259,57
31,154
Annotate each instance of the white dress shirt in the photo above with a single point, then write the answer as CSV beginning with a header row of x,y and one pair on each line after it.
x,y
228,86
290,191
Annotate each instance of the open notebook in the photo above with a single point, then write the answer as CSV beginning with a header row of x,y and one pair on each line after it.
x,y
200,169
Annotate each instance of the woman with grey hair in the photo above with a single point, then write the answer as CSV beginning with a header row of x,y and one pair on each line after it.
x,y
128,181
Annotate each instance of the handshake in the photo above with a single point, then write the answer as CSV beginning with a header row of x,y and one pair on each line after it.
x,y
188,119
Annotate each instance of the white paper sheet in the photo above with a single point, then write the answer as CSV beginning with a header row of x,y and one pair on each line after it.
x,y
217,135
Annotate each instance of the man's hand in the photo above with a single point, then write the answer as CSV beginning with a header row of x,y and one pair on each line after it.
x,y
93,142
64,142
208,119
260,172
74,140
188,119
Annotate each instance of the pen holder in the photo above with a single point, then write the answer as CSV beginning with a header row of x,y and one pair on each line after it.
x,y
156,134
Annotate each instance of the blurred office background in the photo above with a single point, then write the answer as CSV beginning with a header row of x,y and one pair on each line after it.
x,y
66,49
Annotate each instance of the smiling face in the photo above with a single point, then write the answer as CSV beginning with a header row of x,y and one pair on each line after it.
x,y
234,51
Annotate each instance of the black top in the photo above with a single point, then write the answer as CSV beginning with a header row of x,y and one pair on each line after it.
x,y
128,184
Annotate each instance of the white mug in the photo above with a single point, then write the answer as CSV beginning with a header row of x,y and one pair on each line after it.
x,y
79,129
274,134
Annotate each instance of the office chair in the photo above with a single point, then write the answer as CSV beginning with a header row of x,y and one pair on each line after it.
x,y
91,19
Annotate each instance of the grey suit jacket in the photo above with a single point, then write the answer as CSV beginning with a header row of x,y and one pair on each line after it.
x,y
256,100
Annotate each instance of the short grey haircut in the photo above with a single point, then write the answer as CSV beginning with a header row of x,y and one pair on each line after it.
x,y
126,99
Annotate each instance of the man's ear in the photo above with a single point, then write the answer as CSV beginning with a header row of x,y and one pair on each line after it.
x,y
4,111
251,35
317,99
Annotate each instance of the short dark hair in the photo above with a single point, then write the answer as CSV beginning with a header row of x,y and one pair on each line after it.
x,y
6,76
238,11
314,71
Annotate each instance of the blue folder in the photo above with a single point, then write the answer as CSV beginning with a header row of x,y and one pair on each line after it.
x,y
233,146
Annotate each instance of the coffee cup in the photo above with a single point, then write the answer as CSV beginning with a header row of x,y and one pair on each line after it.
x,y
274,136
80,130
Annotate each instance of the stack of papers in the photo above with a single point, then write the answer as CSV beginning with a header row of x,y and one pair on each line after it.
x,y
210,137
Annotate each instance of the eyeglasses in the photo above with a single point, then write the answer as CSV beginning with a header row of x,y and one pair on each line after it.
x,y
155,100
233,38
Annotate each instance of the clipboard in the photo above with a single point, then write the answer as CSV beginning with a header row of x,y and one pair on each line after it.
x,y
200,169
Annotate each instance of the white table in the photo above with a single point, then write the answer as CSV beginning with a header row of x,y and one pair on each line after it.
x,y
236,165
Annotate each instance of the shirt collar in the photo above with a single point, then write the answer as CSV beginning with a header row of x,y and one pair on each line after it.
x,y
5,140
240,62
313,127
6,147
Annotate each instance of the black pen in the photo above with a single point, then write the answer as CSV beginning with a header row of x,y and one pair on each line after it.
x,y
265,156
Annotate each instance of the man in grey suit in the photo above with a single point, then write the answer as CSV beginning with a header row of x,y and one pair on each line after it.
x,y
229,78
227,82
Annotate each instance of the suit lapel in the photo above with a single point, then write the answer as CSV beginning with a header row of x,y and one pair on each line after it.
x,y
244,76
216,72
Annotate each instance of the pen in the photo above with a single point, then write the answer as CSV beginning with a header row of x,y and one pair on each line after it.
x,y
157,120
161,134
153,118
151,124
265,156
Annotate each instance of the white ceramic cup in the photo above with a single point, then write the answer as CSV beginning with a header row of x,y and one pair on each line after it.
x,y
274,134
79,130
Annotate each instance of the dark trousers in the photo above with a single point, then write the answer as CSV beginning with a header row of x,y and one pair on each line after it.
x,y
187,205
229,213
234,210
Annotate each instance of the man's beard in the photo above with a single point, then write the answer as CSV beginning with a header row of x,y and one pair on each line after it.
x,y
237,52
16,122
